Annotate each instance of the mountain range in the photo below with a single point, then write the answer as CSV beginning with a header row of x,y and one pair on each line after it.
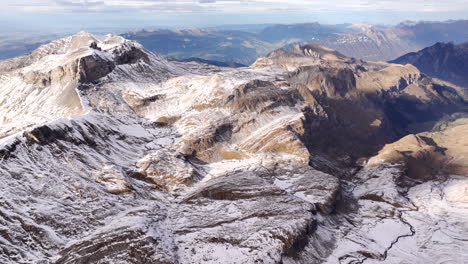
x,y
111,153
446,61
364,41
243,44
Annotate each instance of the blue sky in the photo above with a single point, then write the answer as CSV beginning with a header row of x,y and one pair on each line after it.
x,y
72,15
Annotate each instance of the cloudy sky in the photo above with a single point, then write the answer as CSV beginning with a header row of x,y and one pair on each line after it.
x,y
60,14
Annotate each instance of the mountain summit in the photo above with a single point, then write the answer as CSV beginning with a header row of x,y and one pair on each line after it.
x,y
113,154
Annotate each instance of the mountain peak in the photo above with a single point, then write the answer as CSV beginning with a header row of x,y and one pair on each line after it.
x,y
318,51
66,50
60,70
301,55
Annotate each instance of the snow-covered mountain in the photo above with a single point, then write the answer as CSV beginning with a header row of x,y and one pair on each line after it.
x,y
112,154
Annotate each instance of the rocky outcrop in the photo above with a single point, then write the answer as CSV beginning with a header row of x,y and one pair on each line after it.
x,y
92,68
327,82
167,169
242,200
140,247
317,51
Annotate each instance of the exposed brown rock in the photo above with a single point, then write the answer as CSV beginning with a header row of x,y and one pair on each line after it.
x,y
168,169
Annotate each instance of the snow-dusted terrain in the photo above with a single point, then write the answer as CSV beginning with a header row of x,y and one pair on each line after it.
x,y
112,154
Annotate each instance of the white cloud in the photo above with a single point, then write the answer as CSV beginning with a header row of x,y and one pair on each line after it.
x,y
231,6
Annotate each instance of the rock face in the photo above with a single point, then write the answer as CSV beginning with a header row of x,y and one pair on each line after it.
x,y
168,170
134,158
446,61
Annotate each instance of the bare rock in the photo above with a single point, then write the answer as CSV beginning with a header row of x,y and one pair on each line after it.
x,y
168,169
235,200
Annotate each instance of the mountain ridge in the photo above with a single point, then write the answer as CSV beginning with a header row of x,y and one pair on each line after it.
x,y
445,61
364,41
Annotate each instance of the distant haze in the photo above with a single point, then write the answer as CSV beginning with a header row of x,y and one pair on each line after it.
x,y
112,15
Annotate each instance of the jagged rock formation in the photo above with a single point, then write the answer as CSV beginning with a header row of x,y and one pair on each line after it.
x,y
119,155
